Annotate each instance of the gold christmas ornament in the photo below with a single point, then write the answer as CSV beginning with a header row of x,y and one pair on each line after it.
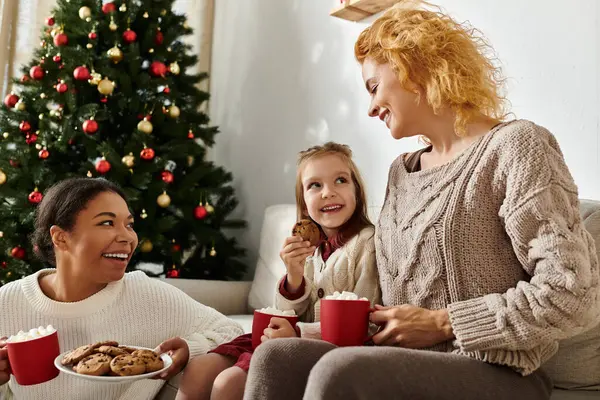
x,y
2,177
115,54
174,111
129,160
213,252
123,8
163,200
151,51
143,215
146,15
95,78
38,146
89,45
186,25
1,234
5,135
106,86
190,160
8,274
112,26
89,174
209,209
145,126
43,95
163,12
41,116
21,105
85,12
146,246
174,68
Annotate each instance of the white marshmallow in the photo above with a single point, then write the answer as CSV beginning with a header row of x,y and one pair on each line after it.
x,y
276,312
34,333
344,296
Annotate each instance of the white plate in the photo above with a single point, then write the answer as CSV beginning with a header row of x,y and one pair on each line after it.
x,y
117,379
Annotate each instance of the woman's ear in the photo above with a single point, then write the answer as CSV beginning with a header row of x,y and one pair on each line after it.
x,y
59,237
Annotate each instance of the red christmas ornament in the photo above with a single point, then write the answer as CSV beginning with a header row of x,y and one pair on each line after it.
x,y
190,135
11,100
18,252
61,40
31,138
129,36
81,73
44,154
200,212
50,21
167,177
3,265
62,87
93,35
36,72
24,78
24,126
57,58
103,166
90,126
147,154
35,197
158,69
14,163
109,8
167,90
173,273
71,141
176,248
159,38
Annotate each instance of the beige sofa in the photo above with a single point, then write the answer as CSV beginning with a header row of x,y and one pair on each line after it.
x,y
238,299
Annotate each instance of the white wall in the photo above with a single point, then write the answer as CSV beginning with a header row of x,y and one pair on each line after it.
x,y
284,78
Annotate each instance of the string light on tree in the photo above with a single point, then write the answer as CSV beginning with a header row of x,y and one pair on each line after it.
x,y
144,214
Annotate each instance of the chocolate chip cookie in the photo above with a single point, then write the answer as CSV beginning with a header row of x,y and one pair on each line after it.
x,y
127,365
111,350
152,361
77,355
97,364
308,230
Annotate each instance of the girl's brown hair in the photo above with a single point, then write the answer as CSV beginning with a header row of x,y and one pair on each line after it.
x,y
359,218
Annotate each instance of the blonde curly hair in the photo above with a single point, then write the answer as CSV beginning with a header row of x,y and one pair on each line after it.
x,y
451,61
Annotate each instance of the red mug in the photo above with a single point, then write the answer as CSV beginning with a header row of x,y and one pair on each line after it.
x,y
345,322
261,321
32,361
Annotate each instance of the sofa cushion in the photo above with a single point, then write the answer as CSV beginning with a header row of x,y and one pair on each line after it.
x,y
245,320
577,363
277,225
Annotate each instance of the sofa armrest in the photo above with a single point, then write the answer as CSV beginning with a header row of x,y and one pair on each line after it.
x,y
227,297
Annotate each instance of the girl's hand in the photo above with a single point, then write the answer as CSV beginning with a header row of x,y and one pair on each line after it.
x,y
278,328
4,374
410,326
178,350
294,254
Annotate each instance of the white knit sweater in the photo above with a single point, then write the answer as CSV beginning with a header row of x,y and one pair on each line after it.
x,y
351,268
136,311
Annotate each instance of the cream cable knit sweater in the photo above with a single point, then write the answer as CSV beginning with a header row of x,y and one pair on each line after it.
x,y
350,268
136,310
495,237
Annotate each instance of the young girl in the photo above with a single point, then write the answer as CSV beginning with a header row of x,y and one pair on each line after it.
x,y
329,191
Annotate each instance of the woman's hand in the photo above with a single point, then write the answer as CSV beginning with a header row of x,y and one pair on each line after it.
x,y
4,374
294,254
178,350
410,326
278,328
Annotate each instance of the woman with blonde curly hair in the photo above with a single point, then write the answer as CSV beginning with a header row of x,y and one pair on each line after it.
x,y
483,261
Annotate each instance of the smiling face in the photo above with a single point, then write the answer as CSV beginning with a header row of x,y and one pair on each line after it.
x,y
329,192
102,241
402,109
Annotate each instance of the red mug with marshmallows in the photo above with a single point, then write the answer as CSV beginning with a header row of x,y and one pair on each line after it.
x,y
32,360
345,322
262,320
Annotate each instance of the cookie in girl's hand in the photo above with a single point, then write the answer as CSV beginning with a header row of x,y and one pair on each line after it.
x,y
308,231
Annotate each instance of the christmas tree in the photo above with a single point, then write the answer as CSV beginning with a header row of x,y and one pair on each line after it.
x,y
107,95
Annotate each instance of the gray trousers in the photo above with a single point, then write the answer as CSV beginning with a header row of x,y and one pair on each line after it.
x,y
293,369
